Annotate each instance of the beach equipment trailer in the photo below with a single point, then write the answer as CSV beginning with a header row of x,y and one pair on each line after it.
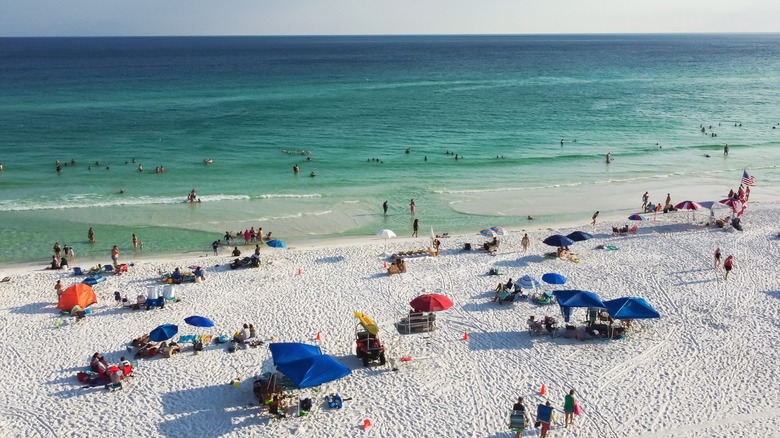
x,y
367,345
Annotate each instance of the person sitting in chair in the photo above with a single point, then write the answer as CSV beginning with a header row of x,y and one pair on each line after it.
x,y
177,276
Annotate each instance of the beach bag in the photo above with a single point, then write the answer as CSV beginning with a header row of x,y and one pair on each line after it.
x,y
577,408
537,424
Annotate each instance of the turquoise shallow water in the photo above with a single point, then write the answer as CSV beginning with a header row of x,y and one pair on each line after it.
x,y
242,101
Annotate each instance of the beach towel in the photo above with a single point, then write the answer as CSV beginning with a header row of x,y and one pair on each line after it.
x,y
611,248
577,408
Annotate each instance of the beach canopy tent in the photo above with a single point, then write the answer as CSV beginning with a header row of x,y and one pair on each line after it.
x,y
568,299
80,295
630,308
305,365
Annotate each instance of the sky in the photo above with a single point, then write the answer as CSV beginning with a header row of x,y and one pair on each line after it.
x,y
374,17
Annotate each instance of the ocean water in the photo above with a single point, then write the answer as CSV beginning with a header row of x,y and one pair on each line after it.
x,y
503,104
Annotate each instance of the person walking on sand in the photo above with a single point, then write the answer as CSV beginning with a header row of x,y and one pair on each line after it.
x,y
412,206
526,242
717,258
384,207
520,407
415,227
546,426
91,235
568,409
135,241
727,265
595,215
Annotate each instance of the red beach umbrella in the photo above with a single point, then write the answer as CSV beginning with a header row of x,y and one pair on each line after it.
x,y
687,205
431,303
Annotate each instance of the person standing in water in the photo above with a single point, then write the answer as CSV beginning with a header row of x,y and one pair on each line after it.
x,y
384,206
726,150
412,206
609,157
91,235
135,241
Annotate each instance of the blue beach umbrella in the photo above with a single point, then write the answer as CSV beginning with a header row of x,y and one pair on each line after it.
x,y
276,243
558,240
579,236
199,321
637,217
163,332
553,278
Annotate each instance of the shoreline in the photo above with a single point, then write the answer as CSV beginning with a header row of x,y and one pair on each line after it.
x,y
616,218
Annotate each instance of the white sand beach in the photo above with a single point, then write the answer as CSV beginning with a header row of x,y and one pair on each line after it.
x,y
706,368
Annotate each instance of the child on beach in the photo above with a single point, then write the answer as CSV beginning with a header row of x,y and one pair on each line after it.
x,y
717,258
415,227
595,215
727,265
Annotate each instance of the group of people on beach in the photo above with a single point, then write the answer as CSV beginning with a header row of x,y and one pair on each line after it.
x,y
571,407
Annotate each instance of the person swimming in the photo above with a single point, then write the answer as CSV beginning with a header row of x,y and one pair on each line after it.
x,y
312,174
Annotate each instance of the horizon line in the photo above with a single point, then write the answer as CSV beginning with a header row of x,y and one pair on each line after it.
x,y
395,35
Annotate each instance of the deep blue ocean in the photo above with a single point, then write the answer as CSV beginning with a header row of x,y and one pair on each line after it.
x,y
530,119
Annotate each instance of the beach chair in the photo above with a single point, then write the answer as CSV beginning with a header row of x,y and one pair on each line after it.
x,y
187,339
517,421
77,271
108,268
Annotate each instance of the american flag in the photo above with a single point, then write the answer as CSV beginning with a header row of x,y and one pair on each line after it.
x,y
747,179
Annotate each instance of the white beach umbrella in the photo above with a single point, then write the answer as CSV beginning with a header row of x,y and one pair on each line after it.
x,y
385,234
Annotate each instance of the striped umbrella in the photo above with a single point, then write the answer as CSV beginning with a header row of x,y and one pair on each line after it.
x,y
687,205
529,282
637,217
487,232
500,231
